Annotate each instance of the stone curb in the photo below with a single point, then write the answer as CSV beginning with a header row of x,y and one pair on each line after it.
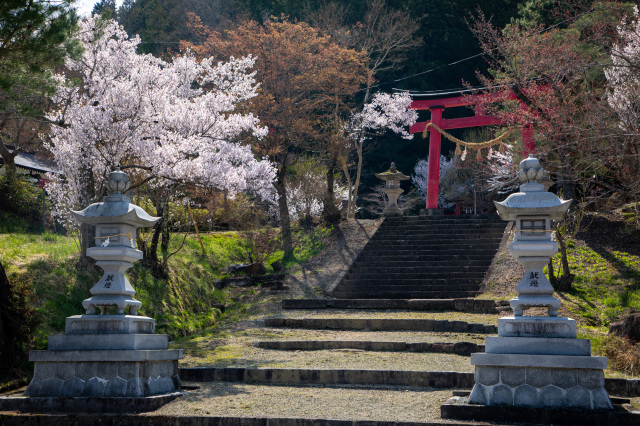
x,y
380,324
123,420
299,376
87,404
478,306
459,348
456,409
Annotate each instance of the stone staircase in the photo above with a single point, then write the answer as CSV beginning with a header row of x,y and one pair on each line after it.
x,y
426,257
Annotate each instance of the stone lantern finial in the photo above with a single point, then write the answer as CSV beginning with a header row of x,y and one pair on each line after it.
x,y
118,182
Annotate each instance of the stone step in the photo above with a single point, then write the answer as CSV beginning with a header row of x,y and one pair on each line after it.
x,y
435,284
405,295
444,219
381,324
435,238
459,305
470,266
400,287
459,348
422,256
426,245
448,274
221,418
300,376
445,233
410,261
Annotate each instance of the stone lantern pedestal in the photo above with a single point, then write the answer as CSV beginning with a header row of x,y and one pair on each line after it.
x,y
102,353
392,178
537,361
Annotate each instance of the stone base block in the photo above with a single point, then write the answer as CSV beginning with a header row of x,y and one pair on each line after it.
x,y
109,324
556,327
90,404
104,378
458,408
73,342
538,346
540,387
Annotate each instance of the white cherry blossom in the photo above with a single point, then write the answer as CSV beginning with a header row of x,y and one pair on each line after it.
x,y
177,119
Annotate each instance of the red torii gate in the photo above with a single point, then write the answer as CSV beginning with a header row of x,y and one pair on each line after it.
x,y
436,106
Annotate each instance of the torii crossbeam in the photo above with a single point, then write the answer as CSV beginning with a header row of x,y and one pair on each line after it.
x,y
436,104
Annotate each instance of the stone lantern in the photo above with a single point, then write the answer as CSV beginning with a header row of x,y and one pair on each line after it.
x,y
392,178
537,361
533,209
102,354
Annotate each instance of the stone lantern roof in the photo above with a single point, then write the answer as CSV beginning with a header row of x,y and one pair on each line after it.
x,y
392,174
117,207
532,200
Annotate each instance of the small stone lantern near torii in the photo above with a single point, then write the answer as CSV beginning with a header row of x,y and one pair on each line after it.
x,y
392,178
109,355
537,361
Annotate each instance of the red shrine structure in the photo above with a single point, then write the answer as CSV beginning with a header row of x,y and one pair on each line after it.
x,y
436,103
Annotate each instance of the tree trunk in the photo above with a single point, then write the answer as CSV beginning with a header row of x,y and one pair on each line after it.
x,y
164,224
330,213
356,183
566,279
283,208
87,232
9,160
5,345
155,238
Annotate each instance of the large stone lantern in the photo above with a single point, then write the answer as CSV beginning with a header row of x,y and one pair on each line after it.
x,y
392,178
116,221
533,209
102,353
537,361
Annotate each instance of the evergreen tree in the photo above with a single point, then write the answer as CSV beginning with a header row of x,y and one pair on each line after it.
x,y
106,8
33,40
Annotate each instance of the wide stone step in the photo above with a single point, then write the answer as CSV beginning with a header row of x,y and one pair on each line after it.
x,y
381,324
299,376
415,260
413,289
443,219
440,245
459,348
429,266
423,256
459,305
405,295
453,233
433,282
448,274
435,237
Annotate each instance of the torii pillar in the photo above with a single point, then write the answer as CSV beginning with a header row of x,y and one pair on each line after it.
x,y
433,180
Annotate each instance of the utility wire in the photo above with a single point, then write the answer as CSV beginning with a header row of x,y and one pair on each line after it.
x,y
474,56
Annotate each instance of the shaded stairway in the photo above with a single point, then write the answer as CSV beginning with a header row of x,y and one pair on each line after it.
x,y
425,257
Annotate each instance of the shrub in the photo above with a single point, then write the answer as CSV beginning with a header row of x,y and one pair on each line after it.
x,y
20,197
622,354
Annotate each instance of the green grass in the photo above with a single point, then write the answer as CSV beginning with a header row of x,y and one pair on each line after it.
x,y
184,303
606,285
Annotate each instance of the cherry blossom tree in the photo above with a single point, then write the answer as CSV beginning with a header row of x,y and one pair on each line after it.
x,y
624,74
169,122
384,111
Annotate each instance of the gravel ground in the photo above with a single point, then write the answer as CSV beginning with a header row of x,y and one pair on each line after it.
x,y
243,400
351,359
491,319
